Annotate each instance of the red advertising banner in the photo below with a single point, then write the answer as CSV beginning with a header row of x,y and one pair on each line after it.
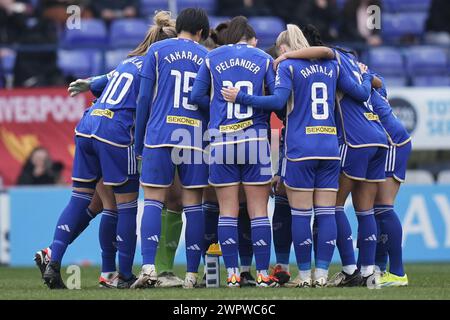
x,y
31,118
37,117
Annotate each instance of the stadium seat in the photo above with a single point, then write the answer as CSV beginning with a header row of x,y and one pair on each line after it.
x,y
427,61
208,5
431,81
395,26
267,29
127,32
340,4
406,5
386,61
443,177
148,7
80,63
215,21
92,32
395,81
419,177
8,59
114,57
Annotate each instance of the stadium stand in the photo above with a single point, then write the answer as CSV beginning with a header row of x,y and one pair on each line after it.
x,y
87,62
401,20
114,57
208,5
443,177
386,61
92,32
267,29
127,32
215,21
148,7
422,177
405,5
426,60
395,26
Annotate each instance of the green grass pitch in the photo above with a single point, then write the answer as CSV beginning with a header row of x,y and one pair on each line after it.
x,y
426,281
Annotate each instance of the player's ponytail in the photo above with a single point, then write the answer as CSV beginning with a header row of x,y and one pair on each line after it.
x,y
293,38
163,28
238,30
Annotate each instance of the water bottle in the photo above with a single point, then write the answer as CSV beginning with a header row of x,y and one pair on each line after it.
x,y
212,266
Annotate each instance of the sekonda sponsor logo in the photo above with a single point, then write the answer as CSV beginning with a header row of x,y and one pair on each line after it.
x,y
41,107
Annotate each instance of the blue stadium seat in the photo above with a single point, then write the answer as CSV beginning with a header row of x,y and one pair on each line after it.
x,y
80,63
267,29
215,21
8,60
208,5
127,32
395,81
340,3
427,61
431,81
386,61
406,5
148,7
114,57
395,26
92,32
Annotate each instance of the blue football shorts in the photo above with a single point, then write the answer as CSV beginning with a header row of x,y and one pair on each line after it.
x,y
397,161
159,166
95,159
309,175
246,162
365,164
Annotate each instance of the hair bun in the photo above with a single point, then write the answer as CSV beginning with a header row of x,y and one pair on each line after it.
x,y
163,19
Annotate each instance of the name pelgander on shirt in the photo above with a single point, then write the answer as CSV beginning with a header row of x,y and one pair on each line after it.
x,y
358,124
310,125
173,65
249,69
112,117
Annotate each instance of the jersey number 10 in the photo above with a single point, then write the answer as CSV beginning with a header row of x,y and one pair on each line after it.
x,y
113,86
234,109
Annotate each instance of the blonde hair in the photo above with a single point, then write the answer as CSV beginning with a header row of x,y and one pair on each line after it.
x,y
163,28
293,37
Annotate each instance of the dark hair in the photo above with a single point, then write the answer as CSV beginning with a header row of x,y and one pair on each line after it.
x,y
193,20
238,28
220,33
272,51
211,42
312,34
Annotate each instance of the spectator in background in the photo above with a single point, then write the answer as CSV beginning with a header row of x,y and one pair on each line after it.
x,y
38,68
13,16
353,25
242,7
40,169
109,10
438,23
284,9
323,14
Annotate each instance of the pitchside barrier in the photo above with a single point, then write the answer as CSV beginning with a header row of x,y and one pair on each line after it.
x,y
29,216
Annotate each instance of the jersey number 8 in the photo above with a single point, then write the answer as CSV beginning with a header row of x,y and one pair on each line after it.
x,y
234,109
316,86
